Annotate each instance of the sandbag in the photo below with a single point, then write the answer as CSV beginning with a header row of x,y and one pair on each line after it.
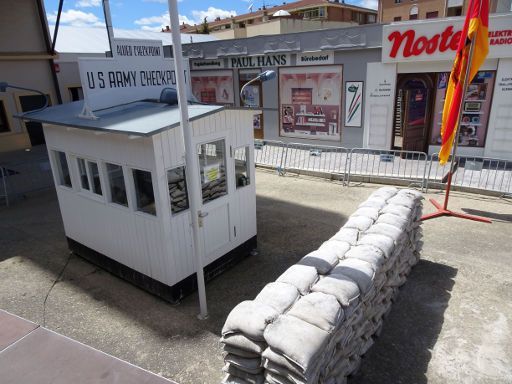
x,y
391,231
338,247
398,210
318,309
368,253
361,223
372,213
230,379
249,318
322,260
403,200
229,349
348,235
248,365
344,289
238,340
357,270
374,202
397,221
384,243
279,296
278,360
297,340
249,377
301,277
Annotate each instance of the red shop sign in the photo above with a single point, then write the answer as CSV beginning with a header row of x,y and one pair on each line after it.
x,y
415,46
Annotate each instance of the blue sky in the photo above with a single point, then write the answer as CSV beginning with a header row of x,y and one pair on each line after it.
x,y
153,14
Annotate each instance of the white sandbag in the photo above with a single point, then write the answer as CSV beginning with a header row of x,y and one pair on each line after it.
x,y
399,222
384,192
274,378
338,247
249,377
240,352
278,360
322,260
238,340
297,340
249,318
368,253
278,295
280,372
403,200
348,235
301,277
361,223
384,243
392,232
252,366
398,210
374,202
344,289
357,270
318,309
372,213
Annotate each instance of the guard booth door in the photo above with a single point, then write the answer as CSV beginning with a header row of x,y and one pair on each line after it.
x,y
214,163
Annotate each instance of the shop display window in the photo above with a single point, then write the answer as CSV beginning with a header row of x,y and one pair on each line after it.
x,y
475,109
144,194
178,194
241,156
212,164
117,184
213,87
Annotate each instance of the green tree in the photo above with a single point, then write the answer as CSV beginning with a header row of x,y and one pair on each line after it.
x,y
204,27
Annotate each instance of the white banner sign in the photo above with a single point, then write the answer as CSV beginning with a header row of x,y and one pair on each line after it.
x,y
137,71
312,58
207,64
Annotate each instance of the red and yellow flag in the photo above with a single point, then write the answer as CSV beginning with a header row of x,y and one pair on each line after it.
x,y
475,28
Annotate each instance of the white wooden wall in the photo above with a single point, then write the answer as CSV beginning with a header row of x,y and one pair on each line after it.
x,y
161,246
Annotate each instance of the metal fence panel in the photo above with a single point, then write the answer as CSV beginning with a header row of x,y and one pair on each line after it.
x,y
389,164
474,172
269,153
315,158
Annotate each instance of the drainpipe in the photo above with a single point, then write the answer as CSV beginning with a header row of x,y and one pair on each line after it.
x,y
49,48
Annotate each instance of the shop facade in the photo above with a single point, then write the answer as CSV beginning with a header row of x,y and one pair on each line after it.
x,y
318,95
405,91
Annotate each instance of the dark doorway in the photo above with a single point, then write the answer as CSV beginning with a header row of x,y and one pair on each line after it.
x,y
35,130
413,106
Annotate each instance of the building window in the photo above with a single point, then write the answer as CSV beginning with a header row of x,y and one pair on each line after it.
x,y
89,175
82,172
4,123
94,174
144,194
76,93
178,195
242,167
454,11
117,184
397,18
413,12
371,18
212,163
413,17
64,177
432,15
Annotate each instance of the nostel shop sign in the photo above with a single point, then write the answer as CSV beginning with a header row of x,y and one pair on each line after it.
x,y
437,40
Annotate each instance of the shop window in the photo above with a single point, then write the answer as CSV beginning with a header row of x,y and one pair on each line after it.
x,y
61,161
397,18
242,176
82,173
432,15
178,194
76,93
4,123
212,163
117,184
144,194
475,109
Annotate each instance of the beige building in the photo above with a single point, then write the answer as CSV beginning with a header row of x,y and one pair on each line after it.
x,y
25,61
401,10
298,16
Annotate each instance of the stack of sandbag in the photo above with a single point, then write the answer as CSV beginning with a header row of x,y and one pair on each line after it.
x,y
321,315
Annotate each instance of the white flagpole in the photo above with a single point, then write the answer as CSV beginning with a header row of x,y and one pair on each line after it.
x,y
192,179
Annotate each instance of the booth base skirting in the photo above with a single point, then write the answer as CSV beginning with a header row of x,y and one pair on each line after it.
x,y
172,294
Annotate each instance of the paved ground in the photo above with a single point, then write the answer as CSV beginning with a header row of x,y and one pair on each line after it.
x,y
452,322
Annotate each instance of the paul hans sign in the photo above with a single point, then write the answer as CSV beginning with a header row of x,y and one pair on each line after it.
x,y
136,71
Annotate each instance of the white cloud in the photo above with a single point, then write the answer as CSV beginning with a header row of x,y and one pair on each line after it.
x,y
76,18
372,4
88,3
211,14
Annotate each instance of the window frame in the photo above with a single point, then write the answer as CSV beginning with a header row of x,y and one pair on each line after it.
x,y
227,156
133,190
109,187
69,87
247,166
57,166
90,179
8,121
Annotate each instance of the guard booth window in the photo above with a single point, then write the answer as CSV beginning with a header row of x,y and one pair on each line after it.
x,y
241,156
212,164
178,194
62,168
144,194
89,175
117,185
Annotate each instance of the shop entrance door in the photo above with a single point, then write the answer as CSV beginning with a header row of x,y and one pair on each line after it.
x,y
214,221
253,98
412,113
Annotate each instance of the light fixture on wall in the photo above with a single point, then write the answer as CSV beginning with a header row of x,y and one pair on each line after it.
x,y
264,76
4,86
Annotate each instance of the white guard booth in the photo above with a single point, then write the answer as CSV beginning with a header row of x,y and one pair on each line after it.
x,y
123,195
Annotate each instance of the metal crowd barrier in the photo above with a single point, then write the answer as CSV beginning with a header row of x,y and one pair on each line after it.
x,y
479,173
388,164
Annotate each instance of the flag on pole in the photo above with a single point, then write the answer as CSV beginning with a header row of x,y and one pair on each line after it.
x,y
475,30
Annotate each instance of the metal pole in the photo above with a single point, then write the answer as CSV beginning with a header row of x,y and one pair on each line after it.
x,y
108,24
192,179
459,119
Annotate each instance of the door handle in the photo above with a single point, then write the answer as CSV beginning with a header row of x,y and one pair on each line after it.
x,y
202,214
